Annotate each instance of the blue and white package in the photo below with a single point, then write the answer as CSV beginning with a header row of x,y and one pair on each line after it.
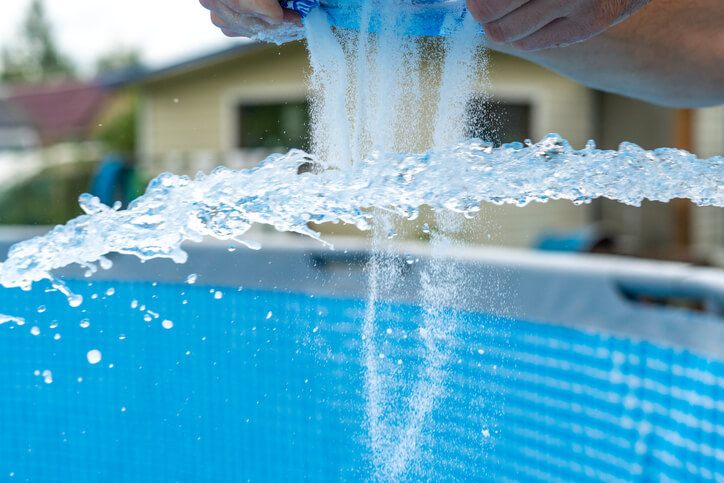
x,y
434,18
301,6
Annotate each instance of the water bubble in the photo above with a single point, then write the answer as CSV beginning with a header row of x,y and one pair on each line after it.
x,y
191,279
110,291
75,300
167,324
35,330
41,309
219,294
85,323
94,356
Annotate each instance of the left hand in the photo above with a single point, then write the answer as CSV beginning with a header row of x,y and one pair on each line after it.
x,y
541,24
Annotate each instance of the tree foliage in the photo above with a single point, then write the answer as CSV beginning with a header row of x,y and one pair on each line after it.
x,y
35,57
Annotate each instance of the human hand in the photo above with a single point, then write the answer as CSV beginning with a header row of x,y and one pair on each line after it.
x,y
541,24
260,19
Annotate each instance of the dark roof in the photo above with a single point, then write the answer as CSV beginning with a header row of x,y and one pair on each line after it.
x,y
60,111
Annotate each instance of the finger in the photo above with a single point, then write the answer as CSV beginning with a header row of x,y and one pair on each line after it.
x,y
270,10
485,11
293,17
219,22
526,20
232,33
559,33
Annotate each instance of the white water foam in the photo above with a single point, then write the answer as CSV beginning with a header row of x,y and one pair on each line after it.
x,y
226,203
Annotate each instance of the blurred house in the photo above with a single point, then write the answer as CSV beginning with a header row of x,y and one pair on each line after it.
x,y
236,106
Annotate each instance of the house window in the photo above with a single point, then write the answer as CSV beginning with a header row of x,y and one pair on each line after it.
x,y
498,122
280,125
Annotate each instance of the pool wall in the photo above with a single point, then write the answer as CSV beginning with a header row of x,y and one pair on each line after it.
x,y
561,367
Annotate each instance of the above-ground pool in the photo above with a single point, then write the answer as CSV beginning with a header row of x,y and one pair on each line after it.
x,y
557,367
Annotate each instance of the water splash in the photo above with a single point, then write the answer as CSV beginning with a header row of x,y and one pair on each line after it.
x,y
226,203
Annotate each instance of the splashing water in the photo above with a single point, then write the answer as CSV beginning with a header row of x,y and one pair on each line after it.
x,y
226,203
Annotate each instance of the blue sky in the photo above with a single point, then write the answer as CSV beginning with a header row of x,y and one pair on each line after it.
x,y
164,30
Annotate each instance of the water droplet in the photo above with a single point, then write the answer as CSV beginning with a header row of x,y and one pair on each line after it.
x,y
167,324
37,373
134,304
110,291
123,409
35,331
315,330
426,228
54,324
218,294
56,337
94,356
232,248
391,234
409,259
389,331
80,379
191,279
486,433
94,296
147,318
41,309
85,323
481,351
75,300
48,376
122,337
269,315
176,100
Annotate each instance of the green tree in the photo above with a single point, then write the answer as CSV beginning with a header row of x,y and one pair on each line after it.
x,y
35,57
119,59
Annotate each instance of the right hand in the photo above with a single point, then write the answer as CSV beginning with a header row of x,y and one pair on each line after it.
x,y
253,18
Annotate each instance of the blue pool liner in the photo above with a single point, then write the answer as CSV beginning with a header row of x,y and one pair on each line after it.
x,y
432,18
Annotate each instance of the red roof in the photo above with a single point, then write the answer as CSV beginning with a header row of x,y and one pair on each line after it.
x,y
61,112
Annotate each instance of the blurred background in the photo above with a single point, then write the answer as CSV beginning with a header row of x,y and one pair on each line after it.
x,y
101,98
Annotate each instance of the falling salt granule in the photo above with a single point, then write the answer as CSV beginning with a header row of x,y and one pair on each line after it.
x,y
218,294
94,356
191,279
167,324
35,331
